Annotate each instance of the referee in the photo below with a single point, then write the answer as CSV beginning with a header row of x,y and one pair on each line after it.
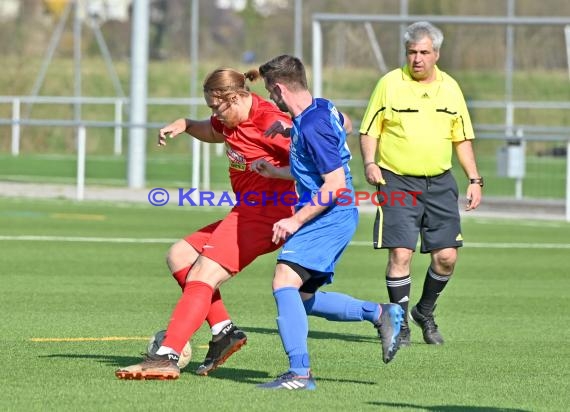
x,y
415,117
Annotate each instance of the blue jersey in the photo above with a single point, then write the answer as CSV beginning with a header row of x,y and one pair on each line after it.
x,y
318,146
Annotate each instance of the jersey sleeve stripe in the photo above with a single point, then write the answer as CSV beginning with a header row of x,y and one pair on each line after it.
x,y
374,118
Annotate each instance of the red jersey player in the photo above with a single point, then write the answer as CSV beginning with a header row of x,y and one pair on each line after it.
x,y
203,260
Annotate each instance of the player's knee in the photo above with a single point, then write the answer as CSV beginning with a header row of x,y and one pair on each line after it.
x,y
288,274
169,262
180,255
172,258
308,304
444,261
400,257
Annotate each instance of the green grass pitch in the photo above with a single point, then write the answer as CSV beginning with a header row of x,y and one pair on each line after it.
x,y
97,271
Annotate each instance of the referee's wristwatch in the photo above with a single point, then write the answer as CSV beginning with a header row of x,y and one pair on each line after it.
x,y
477,181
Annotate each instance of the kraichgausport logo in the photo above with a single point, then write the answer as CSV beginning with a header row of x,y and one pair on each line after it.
x,y
342,197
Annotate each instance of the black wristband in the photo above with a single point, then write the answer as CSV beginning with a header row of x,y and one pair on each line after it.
x,y
187,123
477,181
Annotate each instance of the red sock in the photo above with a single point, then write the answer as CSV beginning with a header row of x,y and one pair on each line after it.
x,y
188,315
218,312
180,276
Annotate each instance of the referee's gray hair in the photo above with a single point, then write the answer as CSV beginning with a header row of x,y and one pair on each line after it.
x,y
417,31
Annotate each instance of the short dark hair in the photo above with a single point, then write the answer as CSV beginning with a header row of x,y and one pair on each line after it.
x,y
285,69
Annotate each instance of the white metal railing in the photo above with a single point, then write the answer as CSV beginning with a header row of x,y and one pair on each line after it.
x,y
119,103
530,132
521,133
81,155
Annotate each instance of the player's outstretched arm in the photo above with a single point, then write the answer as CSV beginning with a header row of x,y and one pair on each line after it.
x,y
200,129
172,130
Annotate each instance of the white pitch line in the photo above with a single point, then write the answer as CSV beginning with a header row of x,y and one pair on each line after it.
x,y
103,339
482,245
491,245
85,239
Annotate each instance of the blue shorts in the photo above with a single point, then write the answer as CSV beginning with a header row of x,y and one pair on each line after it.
x,y
318,245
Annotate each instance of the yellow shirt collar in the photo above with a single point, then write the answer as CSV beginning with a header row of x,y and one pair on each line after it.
x,y
407,76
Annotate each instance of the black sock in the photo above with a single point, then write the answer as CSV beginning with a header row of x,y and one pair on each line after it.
x,y
433,286
399,292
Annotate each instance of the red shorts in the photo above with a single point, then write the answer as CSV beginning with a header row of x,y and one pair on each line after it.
x,y
237,240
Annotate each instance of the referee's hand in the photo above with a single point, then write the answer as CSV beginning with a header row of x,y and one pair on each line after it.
x,y
473,197
373,174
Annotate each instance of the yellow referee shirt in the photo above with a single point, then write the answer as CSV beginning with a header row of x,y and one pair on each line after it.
x,y
416,122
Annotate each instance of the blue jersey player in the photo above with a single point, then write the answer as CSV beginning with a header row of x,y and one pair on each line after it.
x,y
321,228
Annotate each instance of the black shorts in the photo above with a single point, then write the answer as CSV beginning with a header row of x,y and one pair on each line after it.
x,y
410,206
312,279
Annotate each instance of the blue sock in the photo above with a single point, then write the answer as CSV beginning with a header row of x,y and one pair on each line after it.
x,y
293,328
341,308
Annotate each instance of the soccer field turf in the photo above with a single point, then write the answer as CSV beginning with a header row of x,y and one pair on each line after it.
x,y
84,285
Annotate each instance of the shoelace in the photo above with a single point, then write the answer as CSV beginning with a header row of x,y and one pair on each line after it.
x,y
286,376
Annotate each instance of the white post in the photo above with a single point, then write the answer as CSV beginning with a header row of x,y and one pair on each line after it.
x,y
81,162
194,22
16,127
77,56
509,119
518,188
567,37
136,173
118,146
520,177
206,166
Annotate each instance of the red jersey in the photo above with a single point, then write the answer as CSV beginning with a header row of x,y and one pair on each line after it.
x,y
247,143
